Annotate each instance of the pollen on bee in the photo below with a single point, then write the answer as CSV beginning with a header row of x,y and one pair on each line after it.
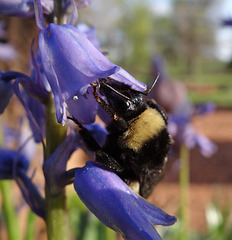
x,y
75,97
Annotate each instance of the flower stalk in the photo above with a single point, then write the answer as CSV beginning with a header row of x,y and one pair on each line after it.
x,y
184,192
59,11
9,211
56,215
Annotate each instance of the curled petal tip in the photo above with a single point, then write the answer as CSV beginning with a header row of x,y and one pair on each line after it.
x,y
112,201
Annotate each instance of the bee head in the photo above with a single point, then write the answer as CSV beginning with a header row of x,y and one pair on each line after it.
x,y
125,101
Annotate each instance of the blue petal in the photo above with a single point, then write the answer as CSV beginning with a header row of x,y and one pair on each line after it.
x,y
98,132
37,110
76,62
123,76
6,92
11,163
55,166
33,124
84,108
31,194
20,8
112,201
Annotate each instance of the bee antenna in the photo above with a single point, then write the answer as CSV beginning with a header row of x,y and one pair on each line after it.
x,y
114,90
152,85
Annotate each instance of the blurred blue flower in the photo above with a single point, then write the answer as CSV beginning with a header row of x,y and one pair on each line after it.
x,y
7,52
114,203
37,91
90,33
34,109
82,3
11,163
227,22
23,8
14,165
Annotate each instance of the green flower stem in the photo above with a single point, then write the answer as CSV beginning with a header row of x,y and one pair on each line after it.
x,y
59,11
56,214
9,211
184,192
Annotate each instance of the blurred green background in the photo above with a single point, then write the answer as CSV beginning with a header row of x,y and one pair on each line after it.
x,y
187,33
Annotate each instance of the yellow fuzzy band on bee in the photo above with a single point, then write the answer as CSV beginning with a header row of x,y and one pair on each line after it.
x,y
146,126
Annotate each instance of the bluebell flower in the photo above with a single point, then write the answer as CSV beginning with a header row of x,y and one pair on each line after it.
x,y
82,3
11,163
37,91
191,138
90,33
36,86
64,50
71,63
23,8
117,206
14,166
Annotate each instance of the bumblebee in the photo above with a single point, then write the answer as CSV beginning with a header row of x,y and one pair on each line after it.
x,y
138,142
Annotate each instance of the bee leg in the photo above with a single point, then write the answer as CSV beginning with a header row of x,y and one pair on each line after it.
x,y
102,102
86,135
108,161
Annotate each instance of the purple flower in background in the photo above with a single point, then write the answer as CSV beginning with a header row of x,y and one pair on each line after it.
x,y
90,34
7,52
82,3
11,163
37,89
117,206
191,139
14,165
23,8
227,22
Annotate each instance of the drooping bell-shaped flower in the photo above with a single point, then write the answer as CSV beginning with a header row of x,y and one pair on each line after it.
x,y
11,163
117,206
71,63
23,8
14,166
